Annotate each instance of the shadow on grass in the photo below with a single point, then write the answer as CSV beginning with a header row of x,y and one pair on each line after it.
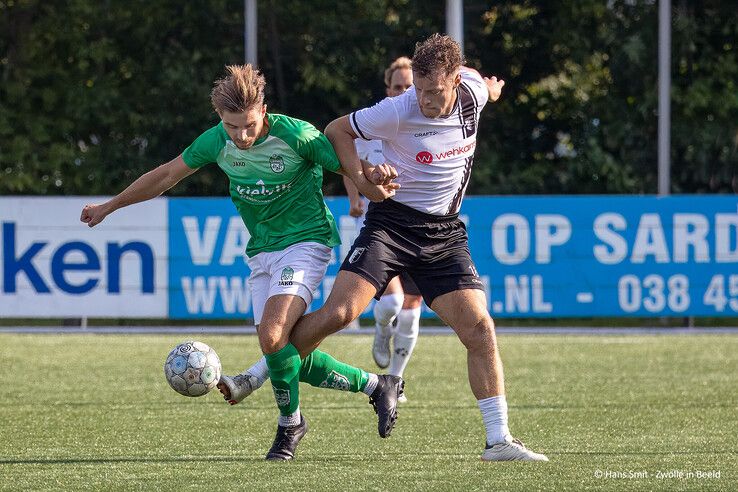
x,y
132,459
360,405
332,457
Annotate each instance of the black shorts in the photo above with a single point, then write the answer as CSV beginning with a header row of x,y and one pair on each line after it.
x,y
433,250
408,285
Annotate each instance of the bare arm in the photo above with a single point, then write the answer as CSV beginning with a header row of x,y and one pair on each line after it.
x,y
356,204
342,137
494,87
146,187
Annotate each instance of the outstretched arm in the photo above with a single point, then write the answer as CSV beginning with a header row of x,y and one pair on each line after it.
x,y
146,187
494,87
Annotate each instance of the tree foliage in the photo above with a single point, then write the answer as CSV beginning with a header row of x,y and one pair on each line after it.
x,y
93,94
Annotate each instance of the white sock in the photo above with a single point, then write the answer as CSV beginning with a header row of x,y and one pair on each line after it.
x,y
386,309
494,415
290,420
371,385
260,371
408,325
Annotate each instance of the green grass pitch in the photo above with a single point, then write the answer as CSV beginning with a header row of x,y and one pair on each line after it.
x,y
94,412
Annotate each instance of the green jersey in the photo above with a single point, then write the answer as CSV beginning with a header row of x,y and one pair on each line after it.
x,y
276,183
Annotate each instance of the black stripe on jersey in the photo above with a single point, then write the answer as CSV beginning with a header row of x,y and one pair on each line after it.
x,y
461,119
468,113
476,102
356,125
456,202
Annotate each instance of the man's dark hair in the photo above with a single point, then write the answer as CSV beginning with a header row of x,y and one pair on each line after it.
x,y
437,53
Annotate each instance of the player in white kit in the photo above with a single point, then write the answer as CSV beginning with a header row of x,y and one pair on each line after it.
x,y
429,136
400,303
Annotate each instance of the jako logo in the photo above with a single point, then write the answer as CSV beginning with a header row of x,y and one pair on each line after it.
x,y
16,262
424,157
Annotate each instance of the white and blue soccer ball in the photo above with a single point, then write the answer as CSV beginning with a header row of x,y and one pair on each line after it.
x,y
192,368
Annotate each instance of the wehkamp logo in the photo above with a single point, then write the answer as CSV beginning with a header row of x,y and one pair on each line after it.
x,y
424,157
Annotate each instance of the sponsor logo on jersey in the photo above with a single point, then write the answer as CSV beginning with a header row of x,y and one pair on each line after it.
x,y
336,381
456,151
276,163
261,192
287,275
356,255
282,396
424,157
425,134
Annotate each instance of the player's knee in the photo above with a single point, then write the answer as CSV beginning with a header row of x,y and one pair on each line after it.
x,y
271,342
479,335
408,322
340,317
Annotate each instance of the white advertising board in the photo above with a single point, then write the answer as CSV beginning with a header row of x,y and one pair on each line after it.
x,y
53,265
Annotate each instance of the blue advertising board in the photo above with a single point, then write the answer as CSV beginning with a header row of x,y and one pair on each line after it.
x,y
543,256
207,260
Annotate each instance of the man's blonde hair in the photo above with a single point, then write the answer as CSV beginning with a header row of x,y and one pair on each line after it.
x,y
239,91
400,63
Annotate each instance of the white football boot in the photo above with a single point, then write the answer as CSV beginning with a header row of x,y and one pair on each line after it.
x,y
381,347
239,386
511,451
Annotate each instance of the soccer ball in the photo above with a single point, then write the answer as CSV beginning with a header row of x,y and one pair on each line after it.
x,y
192,368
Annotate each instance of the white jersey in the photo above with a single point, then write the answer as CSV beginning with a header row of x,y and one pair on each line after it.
x,y
370,150
433,156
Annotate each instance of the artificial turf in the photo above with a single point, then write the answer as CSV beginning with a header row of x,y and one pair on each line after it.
x,y
632,412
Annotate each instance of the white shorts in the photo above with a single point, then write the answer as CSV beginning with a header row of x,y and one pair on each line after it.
x,y
296,270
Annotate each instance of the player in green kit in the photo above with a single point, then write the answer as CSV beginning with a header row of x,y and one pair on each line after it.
x,y
275,166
